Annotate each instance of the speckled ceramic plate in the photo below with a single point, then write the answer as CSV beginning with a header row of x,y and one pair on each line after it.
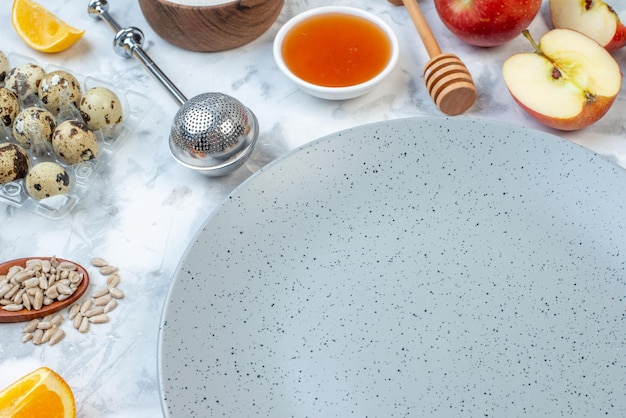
x,y
420,267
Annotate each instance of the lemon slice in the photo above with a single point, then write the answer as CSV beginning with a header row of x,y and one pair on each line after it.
x,y
41,29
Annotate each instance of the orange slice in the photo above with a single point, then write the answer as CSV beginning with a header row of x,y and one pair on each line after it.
x,y
41,29
41,393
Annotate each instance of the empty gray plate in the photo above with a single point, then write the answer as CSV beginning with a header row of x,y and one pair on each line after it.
x,y
420,267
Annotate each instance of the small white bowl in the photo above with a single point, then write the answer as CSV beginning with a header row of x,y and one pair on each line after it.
x,y
336,93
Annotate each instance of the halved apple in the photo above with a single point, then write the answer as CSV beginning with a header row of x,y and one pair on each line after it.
x,y
567,83
594,18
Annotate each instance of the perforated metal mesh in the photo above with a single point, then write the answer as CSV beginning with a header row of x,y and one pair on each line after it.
x,y
210,123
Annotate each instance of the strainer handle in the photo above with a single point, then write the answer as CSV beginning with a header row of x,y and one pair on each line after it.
x,y
128,42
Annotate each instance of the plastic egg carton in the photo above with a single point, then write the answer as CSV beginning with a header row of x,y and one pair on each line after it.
x,y
135,106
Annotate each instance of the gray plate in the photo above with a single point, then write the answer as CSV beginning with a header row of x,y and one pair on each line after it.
x,y
420,267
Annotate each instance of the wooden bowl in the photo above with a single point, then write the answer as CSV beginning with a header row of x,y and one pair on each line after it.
x,y
211,28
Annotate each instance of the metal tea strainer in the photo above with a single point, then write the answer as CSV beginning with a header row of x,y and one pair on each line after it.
x,y
212,133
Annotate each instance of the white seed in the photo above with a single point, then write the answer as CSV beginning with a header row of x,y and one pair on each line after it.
x,y
33,264
113,280
103,300
84,325
27,337
17,298
78,319
74,277
54,262
57,320
37,336
48,334
66,265
23,275
12,292
57,336
38,300
31,325
4,289
52,292
47,301
86,305
116,293
46,266
106,270
26,301
99,262
100,292
51,279
96,310
64,289
99,319
110,306
63,297
32,282
74,310
43,282
44,325
14,307
5,302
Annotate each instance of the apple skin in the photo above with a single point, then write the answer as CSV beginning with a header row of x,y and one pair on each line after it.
x,y
487,23
568,83
595,18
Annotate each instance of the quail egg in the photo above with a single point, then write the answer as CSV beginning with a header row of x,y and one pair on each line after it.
x,y
36,118
24,79
52,87
9,106
74,142
14,162
100,107
4,67
47,179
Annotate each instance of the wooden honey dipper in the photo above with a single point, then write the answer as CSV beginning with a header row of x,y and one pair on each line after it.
x,y
448,80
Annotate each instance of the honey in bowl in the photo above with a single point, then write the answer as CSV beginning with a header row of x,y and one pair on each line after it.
x,y
336,50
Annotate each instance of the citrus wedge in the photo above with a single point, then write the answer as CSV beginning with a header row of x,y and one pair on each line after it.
x,y
41,29
41,393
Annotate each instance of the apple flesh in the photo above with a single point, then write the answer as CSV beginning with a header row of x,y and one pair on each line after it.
x,y
487,23
567,83
594,18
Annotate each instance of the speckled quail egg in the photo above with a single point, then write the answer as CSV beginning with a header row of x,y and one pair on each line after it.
x,y
51,86
24,79
14,162
47,179
9,106
100,107
74,142
36,118
4,67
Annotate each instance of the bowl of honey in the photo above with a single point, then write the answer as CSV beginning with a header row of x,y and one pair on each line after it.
x,y
336,52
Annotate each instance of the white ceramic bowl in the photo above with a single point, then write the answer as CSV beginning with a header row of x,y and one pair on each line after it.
x,y
336,93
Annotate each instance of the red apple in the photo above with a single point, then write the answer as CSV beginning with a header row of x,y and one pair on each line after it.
x,y
487,22
569,81
594,18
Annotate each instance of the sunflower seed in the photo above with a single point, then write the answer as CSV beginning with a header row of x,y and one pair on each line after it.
x,y
116,293
31,325
113,280
86,305
38,300
99,262
48,334
57,320
99,319
84,325
102,300
100,292
110,306
74,309
26,301
96,310
106,270
57,336
27,337
78,319
14,307
37,336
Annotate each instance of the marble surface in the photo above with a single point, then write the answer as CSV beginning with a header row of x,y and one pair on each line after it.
x,y
144,208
